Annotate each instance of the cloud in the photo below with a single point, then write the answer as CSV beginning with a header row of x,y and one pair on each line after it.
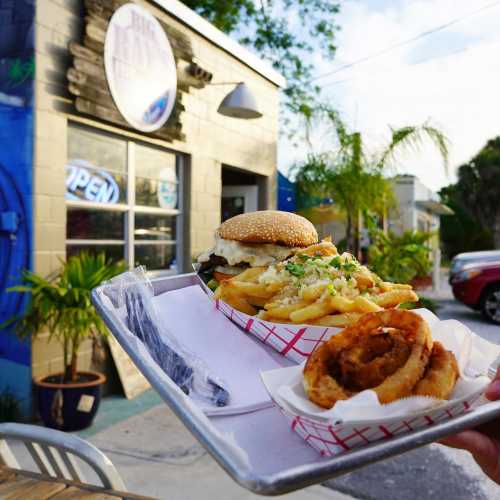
x,y
451,77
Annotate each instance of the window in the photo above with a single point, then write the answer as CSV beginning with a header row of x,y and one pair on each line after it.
x,y
122,198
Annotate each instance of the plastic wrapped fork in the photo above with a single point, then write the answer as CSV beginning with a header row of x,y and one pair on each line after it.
x,y
134,291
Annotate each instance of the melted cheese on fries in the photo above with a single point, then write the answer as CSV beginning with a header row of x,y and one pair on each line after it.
x,y
338,274
315,285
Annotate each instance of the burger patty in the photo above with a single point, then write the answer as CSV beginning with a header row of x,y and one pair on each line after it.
x,y
212,262
216,263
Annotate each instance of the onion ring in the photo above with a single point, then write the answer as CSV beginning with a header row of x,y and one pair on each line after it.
x,y
372,360
441,375
323,381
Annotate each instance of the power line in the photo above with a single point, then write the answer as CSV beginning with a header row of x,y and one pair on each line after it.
x,y
408,66
406,42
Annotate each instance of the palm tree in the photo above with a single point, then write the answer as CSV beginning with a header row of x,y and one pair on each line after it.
x,y
354,190
353,179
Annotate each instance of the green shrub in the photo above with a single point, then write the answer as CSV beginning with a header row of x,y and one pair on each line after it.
x,y
400,258
423,302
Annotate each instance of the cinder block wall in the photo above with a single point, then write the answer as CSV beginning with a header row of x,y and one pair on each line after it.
x,y
211,140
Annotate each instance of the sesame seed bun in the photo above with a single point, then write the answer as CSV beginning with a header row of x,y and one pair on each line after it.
x,y
270,226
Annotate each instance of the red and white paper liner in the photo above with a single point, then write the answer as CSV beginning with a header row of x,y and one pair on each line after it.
x,y
295,342
333,439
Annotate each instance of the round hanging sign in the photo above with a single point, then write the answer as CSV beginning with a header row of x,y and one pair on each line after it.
x,y
140,68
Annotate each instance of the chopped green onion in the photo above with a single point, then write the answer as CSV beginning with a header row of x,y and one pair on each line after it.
x,y
336,262
295,269
349,267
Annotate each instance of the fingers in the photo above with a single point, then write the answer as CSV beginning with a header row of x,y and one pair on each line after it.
x,y
484,450
465,440
493,390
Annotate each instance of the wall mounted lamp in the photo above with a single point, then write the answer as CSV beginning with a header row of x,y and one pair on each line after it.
x,y
239,103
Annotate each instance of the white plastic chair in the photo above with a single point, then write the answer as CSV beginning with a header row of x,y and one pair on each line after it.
x,y
54,454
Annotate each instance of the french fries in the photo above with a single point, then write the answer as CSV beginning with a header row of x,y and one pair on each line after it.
x,y
341,304
256,301
254,289
251,273
284,311
387,287
337,296
312,311
364,281
364,305
312,292
395,297
338,320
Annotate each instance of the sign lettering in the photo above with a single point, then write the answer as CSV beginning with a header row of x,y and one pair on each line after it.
x,y
85,182
140,68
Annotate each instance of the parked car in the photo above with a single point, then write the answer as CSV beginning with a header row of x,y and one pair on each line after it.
x,y
477,285
463,259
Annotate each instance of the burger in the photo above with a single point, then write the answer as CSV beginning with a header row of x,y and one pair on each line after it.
x,y
254,239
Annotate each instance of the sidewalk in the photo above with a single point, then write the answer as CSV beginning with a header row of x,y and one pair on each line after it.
x,y
157,456
443,292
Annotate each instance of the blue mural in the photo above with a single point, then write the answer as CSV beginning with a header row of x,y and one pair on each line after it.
x,y
17,71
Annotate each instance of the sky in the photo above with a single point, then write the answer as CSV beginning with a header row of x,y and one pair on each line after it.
x,y
451,78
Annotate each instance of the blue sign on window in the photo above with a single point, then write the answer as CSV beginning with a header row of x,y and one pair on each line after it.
x,y
86,182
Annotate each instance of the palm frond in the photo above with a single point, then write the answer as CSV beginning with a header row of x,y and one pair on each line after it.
x,y
61,303
411,138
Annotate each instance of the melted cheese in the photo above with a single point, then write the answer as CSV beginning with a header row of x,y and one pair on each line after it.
x,y
255,255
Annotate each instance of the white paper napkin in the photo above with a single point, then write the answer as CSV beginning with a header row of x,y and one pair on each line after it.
x,y
235,357
473,357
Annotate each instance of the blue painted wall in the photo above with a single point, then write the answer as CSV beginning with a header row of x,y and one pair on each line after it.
x,y
286,194
16,172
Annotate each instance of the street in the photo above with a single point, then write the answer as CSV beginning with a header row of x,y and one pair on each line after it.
x,y
432,470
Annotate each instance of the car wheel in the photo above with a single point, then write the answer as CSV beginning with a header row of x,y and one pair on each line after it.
x,y
490,304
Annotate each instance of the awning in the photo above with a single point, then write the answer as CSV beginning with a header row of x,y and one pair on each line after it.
x,y
435,207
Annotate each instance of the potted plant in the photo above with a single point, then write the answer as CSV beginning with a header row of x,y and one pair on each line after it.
x,y
61,305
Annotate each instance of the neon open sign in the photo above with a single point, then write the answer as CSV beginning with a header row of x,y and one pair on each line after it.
x,y
85,182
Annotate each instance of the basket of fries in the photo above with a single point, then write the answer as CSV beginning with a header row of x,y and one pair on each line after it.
x,y
296,304
331,400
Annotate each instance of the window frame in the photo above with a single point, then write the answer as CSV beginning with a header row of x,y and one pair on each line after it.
x,y
129,209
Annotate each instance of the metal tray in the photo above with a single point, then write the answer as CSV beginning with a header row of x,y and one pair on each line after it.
x,y
258,450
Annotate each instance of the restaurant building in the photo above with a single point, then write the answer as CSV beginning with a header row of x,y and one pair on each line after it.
x,y
125,145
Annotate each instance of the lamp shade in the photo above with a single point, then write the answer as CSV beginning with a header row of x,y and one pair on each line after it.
x,y
240,103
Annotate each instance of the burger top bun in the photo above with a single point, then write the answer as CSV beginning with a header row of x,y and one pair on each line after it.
x,y
269,226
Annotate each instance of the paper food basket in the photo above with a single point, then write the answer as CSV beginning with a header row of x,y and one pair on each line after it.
x,y
258,449
295,342
331,440
362,419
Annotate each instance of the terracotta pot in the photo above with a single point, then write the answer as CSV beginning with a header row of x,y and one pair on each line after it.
x,y
69,407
